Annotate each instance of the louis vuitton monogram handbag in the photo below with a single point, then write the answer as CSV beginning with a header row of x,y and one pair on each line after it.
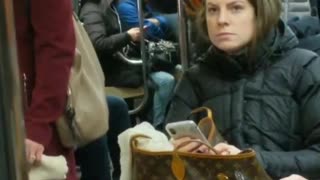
x,y
174,165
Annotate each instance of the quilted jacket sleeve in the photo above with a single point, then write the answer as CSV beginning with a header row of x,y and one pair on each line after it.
x,y
305,161
183,101
95,25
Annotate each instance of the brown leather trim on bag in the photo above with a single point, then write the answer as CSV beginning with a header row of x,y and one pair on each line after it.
x,y
208,127
209,112
207,120
134,140
178,167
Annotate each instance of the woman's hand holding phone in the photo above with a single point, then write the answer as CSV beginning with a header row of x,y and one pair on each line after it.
x,y
192,147
226,149
184,131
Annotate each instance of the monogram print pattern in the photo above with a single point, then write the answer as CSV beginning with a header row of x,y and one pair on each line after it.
x,y
158,167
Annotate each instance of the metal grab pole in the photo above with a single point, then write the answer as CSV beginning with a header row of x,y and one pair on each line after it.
x,y
12,151
183,44
144,60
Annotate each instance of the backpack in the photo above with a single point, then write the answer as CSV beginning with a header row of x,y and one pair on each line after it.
x,y
86,114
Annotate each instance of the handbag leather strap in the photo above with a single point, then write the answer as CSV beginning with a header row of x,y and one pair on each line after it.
x,y
177,165
208,127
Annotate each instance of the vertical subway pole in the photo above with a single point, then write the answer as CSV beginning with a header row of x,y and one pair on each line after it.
x,y
12,151
183,36
143,58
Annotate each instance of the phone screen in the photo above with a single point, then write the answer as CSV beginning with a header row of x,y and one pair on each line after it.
x,y
185,129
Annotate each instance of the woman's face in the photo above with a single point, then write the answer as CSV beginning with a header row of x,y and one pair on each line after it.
x,y
231,24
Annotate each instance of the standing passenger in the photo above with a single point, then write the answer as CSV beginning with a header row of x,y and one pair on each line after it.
x,y
46,46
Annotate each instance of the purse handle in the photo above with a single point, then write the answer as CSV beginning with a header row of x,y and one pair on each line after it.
x,y
134,141
207,126
208,111
207,122
178,167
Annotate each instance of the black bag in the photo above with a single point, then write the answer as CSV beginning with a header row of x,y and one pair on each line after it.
x,y
162,56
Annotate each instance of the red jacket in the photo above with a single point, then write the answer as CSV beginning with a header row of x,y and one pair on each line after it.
x,y
46,44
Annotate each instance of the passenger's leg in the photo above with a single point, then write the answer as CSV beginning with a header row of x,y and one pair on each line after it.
x,y
119,121
94,160
164,88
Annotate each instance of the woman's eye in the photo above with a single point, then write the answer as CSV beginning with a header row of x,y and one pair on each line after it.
x,y
212,10
236,8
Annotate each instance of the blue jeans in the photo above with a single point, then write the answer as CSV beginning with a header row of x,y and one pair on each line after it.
x,y
94,159
165,83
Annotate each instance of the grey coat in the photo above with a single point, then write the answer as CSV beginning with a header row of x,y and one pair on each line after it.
x,y
102,25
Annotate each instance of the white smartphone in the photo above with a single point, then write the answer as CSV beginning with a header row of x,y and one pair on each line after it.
x,y
185,128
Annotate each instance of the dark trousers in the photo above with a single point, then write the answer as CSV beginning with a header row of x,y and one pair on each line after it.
x,y
94,158
119,122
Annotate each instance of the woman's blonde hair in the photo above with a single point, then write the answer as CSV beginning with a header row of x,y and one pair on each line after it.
x,y
267,16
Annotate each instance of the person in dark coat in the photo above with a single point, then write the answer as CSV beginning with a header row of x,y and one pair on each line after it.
x,y
102,24
263,90
46,46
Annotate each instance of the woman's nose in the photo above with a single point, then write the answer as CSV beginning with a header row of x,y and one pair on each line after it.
x,y
223,17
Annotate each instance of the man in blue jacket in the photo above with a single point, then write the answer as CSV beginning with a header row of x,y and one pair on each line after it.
x,y
156,25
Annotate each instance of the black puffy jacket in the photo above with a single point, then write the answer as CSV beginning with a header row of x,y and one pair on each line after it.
x,y
271,105
102,25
